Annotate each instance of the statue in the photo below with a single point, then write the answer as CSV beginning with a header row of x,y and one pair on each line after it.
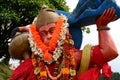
x,y
49,52
86,13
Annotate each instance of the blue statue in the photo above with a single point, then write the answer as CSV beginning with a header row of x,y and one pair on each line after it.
x,y
85,14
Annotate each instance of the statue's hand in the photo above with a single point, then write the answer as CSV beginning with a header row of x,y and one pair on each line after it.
x,y
106,17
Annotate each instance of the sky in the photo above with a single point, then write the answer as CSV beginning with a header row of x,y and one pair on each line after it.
x,y
92,37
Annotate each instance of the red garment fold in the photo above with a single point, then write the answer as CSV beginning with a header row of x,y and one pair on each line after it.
x,y
106,71
25,71
91,74
94,72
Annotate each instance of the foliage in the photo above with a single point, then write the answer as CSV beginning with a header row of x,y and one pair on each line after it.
x,y
14,13
86,29
115,76
5,71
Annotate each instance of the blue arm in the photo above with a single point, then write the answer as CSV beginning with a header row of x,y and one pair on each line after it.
x,y
86,13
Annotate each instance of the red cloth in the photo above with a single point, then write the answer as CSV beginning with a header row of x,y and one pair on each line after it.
x,y
106,71
24,71
94,72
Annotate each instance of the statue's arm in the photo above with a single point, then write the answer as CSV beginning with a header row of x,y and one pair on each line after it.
x,y
106,43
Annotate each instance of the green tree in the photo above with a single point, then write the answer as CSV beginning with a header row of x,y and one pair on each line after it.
x,y
115,76
14,13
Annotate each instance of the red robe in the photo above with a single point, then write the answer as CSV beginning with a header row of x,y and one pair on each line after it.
x,y
94,72
25,71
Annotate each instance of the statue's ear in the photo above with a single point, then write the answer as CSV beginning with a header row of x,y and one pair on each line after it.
x,y
19,45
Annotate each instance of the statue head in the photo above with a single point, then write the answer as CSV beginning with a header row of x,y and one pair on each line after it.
x,y
19,46
46,16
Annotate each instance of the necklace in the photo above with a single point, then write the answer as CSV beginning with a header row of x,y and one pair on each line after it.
x,y
41,49
58,45
67,68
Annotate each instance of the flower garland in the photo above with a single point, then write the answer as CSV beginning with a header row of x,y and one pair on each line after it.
x,y
65,69
57,44
38,47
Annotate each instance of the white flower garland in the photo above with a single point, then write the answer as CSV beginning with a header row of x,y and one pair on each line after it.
x,y
58,50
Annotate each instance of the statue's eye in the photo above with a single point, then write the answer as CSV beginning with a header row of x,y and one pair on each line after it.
x,y
51,30
43,33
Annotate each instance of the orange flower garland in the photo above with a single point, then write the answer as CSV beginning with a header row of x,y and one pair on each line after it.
x,y
62,50
65,71
56,34
52,45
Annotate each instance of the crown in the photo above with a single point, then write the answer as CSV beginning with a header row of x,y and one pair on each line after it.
x,y
46,16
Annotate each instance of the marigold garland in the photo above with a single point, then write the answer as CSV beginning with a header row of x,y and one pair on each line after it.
x,y
59,43
55,36
53,41
65,71
43,73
